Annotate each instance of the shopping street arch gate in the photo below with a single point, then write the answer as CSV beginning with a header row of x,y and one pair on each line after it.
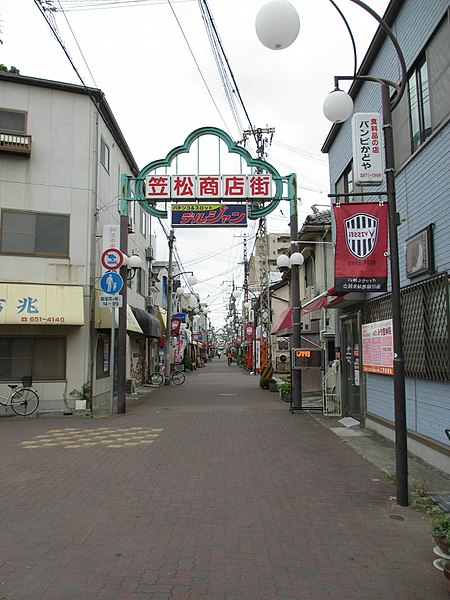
x,y
199,193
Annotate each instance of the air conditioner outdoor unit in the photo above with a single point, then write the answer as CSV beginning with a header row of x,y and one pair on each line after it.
x,y
310,292
419,255
306,322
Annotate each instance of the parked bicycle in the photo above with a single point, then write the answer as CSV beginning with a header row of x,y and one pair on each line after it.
x,y
176,377
23,399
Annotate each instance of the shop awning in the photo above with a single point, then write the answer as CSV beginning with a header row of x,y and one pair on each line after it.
x,y
328,299
150,325
103,317
162,316
34,304
283,324
319,301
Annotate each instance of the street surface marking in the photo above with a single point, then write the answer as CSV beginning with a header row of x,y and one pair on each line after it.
x,y
70,437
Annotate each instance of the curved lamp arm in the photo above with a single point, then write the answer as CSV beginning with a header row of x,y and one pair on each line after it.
x,y
399,88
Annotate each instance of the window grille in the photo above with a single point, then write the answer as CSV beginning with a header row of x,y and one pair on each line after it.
x,y
425,326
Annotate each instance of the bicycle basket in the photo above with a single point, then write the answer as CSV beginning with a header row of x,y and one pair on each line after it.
x,y
27,381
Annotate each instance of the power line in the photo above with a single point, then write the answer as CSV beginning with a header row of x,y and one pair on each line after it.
x,y
77,5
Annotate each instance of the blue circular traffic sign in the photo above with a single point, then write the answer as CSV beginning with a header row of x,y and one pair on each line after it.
x,y
111,282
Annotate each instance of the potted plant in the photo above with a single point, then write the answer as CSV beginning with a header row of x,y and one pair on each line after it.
x,y
440,529
82,397
285,391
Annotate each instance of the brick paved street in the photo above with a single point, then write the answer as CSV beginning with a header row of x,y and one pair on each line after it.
x,y
213,491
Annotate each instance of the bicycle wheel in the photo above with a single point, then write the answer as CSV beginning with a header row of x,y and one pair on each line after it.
x,y
178,377
156,379
24,401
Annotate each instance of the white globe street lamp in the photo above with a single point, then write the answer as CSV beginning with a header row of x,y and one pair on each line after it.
x,y
338,106
296,259
277,24
283,262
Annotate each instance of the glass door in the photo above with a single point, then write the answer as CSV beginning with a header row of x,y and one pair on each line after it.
x,y
351,385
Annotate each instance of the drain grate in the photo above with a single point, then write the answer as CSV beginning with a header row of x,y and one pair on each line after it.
x,y
441,498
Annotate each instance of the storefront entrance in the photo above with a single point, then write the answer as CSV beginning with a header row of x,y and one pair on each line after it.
x,y
351,364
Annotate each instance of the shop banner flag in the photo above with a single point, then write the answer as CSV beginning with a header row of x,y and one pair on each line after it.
x,y
360,262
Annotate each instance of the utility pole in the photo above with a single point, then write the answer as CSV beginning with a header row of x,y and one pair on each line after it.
x,y
167,346
263,138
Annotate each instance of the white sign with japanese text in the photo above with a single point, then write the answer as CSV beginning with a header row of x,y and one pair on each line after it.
x,y
32,304
367,136
378,347
107,301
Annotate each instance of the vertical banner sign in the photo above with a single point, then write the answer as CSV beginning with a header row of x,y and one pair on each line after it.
x,y
361,247
367,149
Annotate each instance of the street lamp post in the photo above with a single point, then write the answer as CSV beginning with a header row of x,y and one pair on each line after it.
x,y
338,107
294,263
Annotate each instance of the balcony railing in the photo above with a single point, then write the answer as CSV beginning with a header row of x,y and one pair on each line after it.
x,y
15,144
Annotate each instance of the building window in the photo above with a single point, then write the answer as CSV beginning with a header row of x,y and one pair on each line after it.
x,y
34,234
140,281
283,345
104,154
419,105
12,121
425,106
344,185
143,224
42,357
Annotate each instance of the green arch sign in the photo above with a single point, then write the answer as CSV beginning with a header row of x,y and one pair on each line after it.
x,y
260,165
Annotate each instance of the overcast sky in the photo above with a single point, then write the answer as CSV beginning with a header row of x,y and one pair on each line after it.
x,y
142,58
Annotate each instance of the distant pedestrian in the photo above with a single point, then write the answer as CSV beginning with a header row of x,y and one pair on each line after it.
x,y
230,357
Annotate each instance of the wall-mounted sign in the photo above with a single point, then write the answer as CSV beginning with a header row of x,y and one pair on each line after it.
x,y
367,149
30,304
249,332
209,215
163,188
378,347
303,358
175,324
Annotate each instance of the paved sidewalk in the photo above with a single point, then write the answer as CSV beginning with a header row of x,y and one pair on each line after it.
x,y
208,491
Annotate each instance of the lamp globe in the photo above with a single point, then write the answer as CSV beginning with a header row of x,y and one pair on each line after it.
x,y
297,259
277,24
338,106
283,262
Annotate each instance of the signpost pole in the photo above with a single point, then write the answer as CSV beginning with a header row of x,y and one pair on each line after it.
x,y
112,358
